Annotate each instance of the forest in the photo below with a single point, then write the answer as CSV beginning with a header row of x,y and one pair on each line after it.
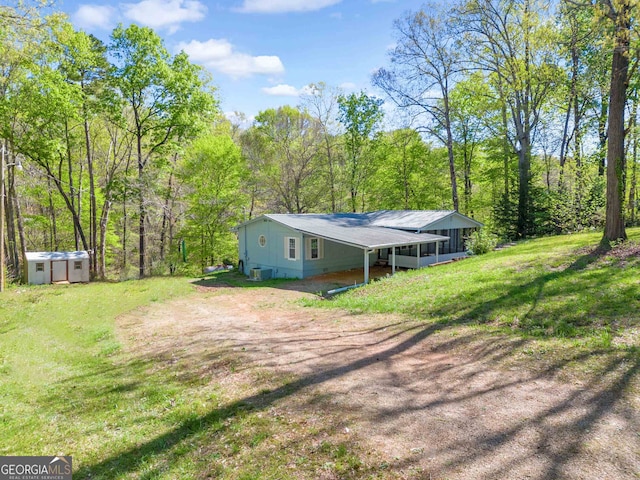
x,y
519,113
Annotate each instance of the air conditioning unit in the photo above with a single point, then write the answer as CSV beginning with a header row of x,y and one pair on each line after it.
x,y
258,274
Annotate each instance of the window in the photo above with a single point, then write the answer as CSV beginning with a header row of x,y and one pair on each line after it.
x,y
77,265
39,267
262,240
314,250
291,248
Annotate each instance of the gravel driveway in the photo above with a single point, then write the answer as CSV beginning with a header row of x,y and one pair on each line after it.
x,y
427,399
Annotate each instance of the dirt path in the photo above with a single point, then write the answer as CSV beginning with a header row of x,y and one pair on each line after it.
x,y
409,392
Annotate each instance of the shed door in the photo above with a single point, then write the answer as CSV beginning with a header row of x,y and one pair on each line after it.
x,y
59,271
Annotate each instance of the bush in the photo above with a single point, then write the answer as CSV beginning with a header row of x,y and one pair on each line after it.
x,y
481,241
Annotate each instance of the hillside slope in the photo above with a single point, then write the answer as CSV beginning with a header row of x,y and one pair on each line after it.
x,y
555,287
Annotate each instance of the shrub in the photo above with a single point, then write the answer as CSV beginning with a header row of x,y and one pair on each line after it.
x,y
481,241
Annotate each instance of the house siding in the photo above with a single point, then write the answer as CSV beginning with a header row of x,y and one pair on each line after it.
x,y
271,255
337,257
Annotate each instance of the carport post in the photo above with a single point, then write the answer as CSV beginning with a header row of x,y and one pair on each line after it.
x,y
393,261
366,265
437,248
418,254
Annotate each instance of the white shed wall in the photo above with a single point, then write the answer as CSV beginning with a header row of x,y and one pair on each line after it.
x,y
38,278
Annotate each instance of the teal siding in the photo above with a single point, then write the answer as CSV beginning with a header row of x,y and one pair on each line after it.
x,y
272,254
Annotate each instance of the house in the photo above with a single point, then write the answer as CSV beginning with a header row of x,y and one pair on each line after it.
x,y
53,267
303,245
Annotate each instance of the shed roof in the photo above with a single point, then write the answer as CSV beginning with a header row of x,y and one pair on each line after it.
x,y
352,229
79,255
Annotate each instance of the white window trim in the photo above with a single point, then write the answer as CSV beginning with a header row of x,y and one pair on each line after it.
x,y
265,241
308,248
297,248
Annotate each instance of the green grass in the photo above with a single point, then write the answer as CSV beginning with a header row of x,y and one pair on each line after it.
x,y
58,361
70,385
556,288
67,386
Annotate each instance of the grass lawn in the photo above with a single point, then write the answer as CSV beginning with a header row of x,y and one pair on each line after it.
x,y
560,294
68,387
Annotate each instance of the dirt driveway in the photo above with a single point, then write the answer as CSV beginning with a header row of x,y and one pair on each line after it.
x,y
423,398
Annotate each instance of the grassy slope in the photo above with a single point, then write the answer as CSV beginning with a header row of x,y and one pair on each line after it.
x,y
558,289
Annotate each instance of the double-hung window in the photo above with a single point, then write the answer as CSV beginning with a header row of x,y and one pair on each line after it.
x,y
314,248
291,248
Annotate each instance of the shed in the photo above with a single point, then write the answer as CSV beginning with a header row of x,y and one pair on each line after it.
x,y
54,267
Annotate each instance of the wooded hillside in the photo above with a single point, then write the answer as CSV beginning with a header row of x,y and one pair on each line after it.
x,y
520,113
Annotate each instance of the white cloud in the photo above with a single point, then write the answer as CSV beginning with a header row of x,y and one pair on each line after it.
x,y
164,13
220,55
94,16
348,86
284,90
283,6
281,91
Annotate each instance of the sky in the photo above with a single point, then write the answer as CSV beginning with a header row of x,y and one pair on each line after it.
x,y
262,53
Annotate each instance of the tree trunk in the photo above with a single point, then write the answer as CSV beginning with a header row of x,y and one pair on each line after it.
x,y
634,168
93,213
72,194
104,220
614,226
524,177
602,132
166,211
143,211
11,245
452,165
54,220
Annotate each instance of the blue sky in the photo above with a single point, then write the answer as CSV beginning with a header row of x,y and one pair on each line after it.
x,y
262,53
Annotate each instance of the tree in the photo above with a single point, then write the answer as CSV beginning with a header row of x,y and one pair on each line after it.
x,y
212,172
426,63
84,64
512,40
620,13
290,144
321,101
361,116
168,98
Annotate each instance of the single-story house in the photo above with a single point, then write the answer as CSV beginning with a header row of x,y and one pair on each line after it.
x,y
303,245
52,267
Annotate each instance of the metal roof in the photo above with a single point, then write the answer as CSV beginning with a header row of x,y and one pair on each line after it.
x,y
352,229
57,255
412,219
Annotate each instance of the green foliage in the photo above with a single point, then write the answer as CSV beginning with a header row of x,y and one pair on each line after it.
x,y
360,115
212,172
480,242
288,142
